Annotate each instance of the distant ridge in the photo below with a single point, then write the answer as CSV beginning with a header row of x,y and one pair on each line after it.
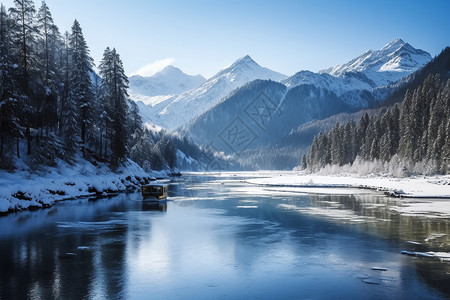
x,y
169,81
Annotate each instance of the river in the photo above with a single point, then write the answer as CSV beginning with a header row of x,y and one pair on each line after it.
x,y
219,237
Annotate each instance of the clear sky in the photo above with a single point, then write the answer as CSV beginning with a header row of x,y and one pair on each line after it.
x,y
201,37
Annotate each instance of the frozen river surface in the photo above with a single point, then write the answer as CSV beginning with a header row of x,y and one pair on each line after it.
x,y
221,238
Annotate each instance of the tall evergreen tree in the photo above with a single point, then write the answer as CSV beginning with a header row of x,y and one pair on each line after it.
x,y
49,46
387,138
115,85
106,103
336,148
23,32
409,126
446,149
80,81
395,127
10,129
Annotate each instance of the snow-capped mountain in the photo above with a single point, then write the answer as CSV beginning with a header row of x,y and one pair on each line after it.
x,y
371,70
261,112
338,85
176,111
387,65
358,83
305,96
168,81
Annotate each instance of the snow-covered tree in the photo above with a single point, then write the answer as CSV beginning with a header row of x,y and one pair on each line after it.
x,y
80,85
23,33
114,94
10,129
49,48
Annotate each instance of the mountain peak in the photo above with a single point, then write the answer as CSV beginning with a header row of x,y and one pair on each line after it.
x,y
387,65
397,41
249,70
169,81
245,60
168,70
395,44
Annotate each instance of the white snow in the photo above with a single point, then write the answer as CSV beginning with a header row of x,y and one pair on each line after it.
x,y
368,71
169,81
178,110
371,70
387,65
337,85
65,182
425,196
416,187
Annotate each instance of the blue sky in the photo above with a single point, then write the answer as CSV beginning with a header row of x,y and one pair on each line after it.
x,y
201,37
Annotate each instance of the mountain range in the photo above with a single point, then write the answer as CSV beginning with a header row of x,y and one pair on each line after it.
x,y
385,66
168,81
246,106
171,112
165,100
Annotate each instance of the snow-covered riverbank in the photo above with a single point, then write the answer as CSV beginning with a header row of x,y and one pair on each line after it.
x,y
427,196
22,190
411,187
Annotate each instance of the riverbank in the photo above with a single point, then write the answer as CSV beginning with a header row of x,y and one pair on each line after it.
x,y
409,187
425,196
25,190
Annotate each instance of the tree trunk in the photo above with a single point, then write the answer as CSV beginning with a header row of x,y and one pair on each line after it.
x,y
18,146
28,140
1,148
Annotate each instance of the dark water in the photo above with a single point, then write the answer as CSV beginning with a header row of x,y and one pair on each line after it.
x,y
220,238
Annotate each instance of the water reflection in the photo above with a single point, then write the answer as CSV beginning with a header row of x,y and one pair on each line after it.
x,y
219,238
154,205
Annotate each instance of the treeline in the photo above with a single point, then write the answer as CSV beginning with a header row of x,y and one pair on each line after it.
x,y
53,105
414,137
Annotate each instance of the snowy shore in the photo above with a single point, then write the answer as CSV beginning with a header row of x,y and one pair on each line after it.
x,y
420,196
411,187
22,190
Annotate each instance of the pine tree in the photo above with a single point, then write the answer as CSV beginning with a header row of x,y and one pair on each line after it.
x,y
106,102
409,126
437,121
23,32
313,159
348,149
69,116
387,138
134,123
436,146
96,134
368,139
169,152
10,129
420,115
79,81
336,147
395,127
446,149
304,165
69,126
114,93
64,60
49,46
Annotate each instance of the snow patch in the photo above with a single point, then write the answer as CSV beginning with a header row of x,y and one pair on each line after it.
x,y
22,190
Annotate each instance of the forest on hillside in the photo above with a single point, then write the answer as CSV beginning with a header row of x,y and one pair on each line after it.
x,y
53,105
413,137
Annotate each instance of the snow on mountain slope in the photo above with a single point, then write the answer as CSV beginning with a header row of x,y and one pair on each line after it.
x,y
387,65
181,109
169,81
338,85
354,83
